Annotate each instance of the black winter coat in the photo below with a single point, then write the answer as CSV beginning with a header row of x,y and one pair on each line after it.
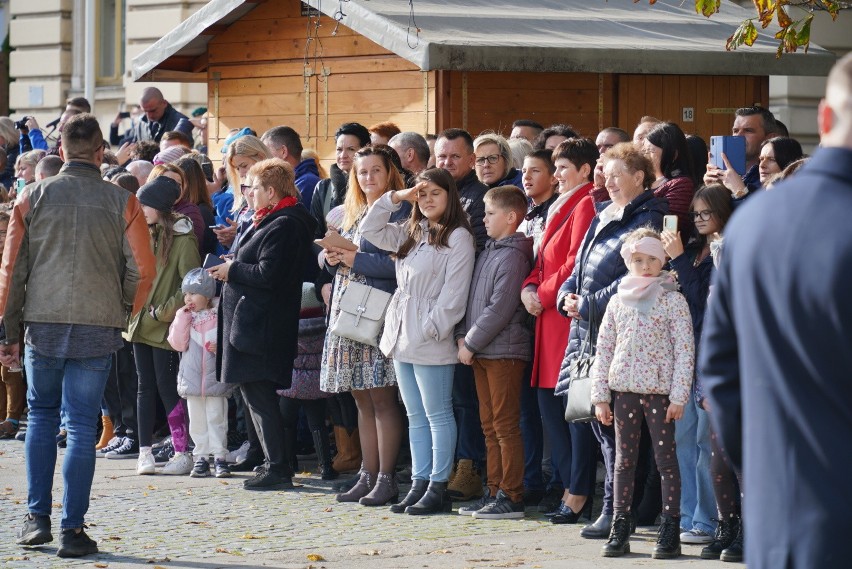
x,y
599,260
259,308
472,194
321,198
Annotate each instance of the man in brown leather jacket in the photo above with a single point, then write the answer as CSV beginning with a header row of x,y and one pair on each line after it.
x,y
77,259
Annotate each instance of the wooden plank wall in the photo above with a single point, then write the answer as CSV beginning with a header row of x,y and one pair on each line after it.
x,y
260,64
665,96
495,100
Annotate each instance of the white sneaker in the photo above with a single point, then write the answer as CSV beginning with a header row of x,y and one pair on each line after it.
x,y
696,537
145,462
179,465
238,455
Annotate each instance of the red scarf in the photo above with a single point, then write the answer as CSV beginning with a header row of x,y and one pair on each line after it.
x,y
261,213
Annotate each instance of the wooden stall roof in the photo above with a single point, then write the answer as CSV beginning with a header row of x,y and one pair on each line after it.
x,y
615,36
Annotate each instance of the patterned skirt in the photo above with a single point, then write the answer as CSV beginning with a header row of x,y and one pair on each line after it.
x,y
348,365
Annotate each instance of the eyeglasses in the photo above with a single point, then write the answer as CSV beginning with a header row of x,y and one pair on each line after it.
x,y
704,215
490,159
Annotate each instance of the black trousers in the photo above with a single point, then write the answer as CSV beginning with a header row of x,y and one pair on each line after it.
x,y
157,369
262,401
120,393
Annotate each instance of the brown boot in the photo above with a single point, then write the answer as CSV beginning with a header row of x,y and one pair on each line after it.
x,y
107,434
348,457
467,483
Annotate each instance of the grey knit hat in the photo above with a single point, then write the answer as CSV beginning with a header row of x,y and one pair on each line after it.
x,y
199,281
161,193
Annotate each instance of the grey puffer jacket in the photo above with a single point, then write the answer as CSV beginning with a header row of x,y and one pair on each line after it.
x,y
432,289
599,268
493,327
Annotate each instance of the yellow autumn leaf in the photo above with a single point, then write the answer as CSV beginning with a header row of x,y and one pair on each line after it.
x,y
101,565
315,557
252,536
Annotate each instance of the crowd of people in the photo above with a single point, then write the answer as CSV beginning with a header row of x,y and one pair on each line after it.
x,y
449,284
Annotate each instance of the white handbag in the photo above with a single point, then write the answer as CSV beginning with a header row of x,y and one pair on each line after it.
x,y
362,313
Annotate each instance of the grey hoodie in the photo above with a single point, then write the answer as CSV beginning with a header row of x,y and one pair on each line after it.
x,y
493,327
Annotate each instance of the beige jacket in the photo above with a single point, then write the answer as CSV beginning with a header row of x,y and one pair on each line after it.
x,y
432,289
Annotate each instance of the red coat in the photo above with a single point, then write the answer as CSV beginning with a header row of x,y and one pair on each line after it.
x,y
563,234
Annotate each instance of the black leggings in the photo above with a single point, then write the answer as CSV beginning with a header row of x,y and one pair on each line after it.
x,y
157,371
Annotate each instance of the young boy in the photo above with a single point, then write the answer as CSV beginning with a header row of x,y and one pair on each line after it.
x,y
493,339
540,187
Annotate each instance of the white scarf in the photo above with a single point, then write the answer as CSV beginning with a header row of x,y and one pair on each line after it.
x,y
642,293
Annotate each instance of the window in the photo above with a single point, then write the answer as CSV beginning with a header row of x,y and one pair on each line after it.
x,y
109,45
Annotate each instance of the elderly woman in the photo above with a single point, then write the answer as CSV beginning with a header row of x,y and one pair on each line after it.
x,y
597,272
495,162
259,309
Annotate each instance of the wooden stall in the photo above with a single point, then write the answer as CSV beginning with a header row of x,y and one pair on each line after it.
x,y
278,62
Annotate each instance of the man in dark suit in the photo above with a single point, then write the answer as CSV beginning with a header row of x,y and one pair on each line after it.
x,y
777,352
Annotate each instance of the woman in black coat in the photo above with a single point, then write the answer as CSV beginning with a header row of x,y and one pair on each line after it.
x,y
597,273
259,309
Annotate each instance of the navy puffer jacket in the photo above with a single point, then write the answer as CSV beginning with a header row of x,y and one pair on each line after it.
x,y
599,260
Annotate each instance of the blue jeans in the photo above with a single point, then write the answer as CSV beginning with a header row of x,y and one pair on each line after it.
x,y
427,391
697,502
471,443
532,434
77,386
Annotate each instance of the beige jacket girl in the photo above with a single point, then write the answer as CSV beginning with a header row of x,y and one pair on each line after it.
x,y
432,289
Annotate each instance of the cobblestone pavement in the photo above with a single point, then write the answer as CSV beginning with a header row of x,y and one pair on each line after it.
x,y
166,521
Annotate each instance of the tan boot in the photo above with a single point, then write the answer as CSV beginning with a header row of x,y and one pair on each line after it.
x,y
348,457
107,434
467,483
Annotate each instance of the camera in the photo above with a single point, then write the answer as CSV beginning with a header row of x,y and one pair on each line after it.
x,y
22,124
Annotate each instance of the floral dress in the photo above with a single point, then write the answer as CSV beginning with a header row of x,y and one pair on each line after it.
x,y
348,365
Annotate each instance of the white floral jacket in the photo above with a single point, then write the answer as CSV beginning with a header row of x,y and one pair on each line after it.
x,y
645,353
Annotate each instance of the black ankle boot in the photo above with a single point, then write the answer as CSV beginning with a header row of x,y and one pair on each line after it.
x,y
619,537
726,533
418,488
435,500
323,449
668,538
734,552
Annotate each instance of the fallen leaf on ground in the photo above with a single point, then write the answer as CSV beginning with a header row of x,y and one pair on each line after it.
x,y
151,487
252,536
329,509
114,538
101,565
371,552
315,557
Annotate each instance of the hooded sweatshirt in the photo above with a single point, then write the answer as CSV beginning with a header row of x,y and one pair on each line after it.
x,y
494,324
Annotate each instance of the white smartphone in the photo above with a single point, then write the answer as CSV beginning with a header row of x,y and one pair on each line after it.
x,y
670,223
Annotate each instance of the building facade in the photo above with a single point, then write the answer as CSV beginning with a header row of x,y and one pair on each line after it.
x,y
47,63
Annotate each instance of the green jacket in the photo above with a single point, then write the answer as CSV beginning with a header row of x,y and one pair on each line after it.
x,y
166,296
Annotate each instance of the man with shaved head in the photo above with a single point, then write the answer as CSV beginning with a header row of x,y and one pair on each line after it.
x,y
159,117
